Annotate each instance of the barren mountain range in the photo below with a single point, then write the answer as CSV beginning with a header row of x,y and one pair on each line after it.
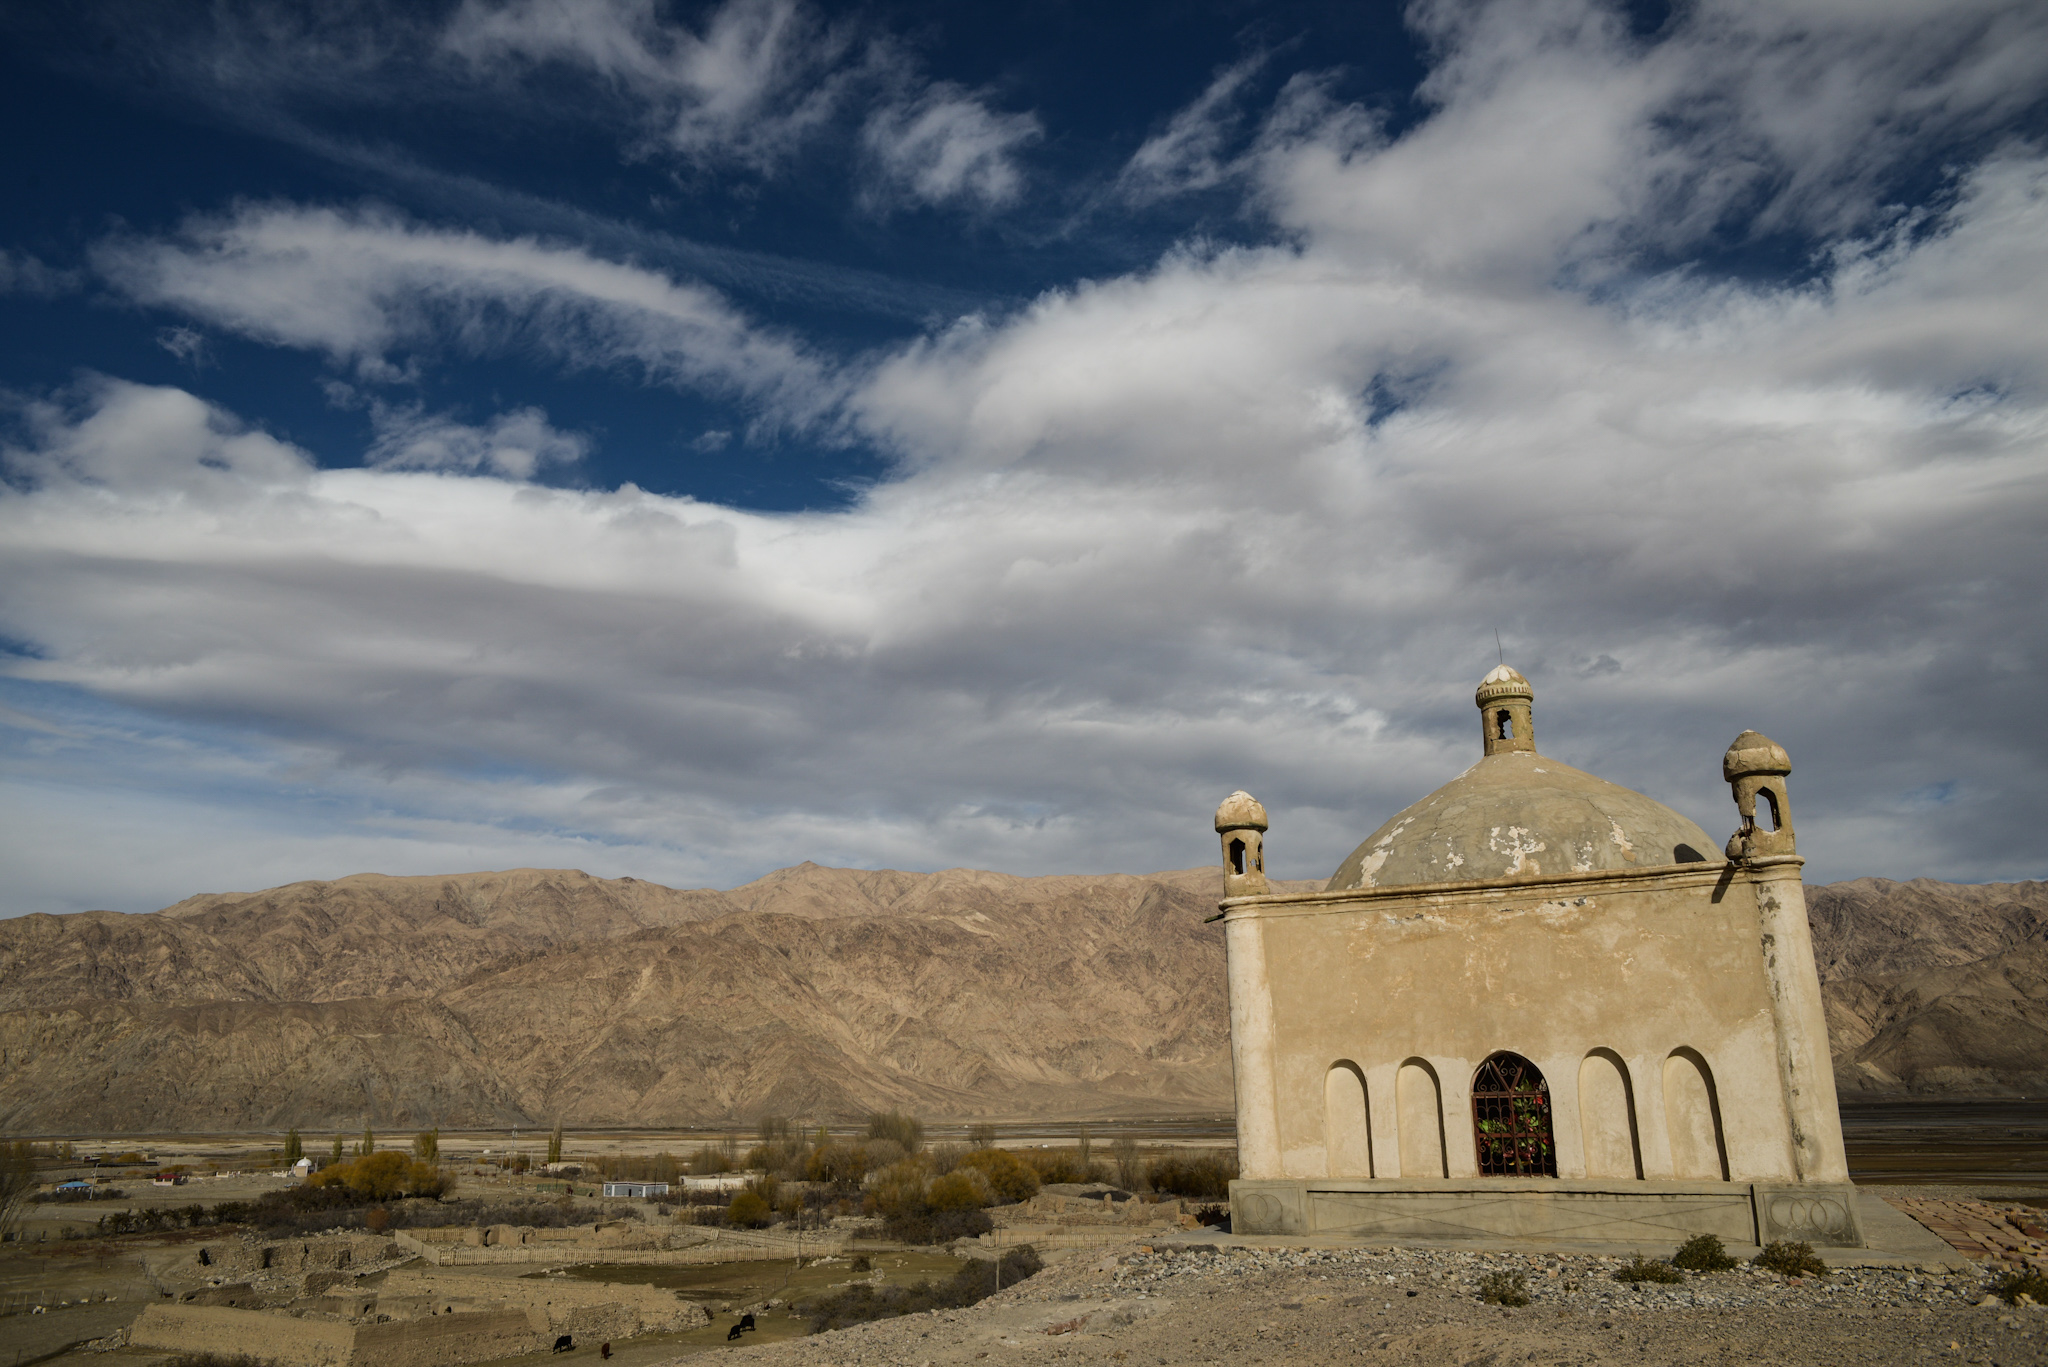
x,y
535,995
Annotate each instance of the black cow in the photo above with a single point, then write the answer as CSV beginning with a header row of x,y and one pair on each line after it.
x,y
565,1344
732,1333
747,1320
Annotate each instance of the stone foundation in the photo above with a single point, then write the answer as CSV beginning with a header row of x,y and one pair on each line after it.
x,y
1548,1210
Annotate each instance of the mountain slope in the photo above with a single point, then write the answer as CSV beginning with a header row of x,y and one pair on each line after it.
x,y
522,997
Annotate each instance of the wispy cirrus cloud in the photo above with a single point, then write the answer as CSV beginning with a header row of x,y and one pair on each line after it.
x,y
368,288
760,82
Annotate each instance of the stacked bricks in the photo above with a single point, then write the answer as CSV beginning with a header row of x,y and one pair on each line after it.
x,y
2009,1233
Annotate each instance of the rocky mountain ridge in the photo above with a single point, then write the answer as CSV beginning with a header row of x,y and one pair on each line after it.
x,y
524,996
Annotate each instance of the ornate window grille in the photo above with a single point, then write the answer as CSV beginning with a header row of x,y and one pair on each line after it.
x,y
1511,1119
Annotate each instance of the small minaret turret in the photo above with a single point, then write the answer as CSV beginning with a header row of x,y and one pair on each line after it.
x,y
1756,767
1506,712
1241,822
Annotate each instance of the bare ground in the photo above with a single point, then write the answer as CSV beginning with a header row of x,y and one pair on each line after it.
x,y
1242,1306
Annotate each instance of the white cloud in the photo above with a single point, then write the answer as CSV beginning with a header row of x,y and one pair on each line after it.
x,y
758,83
23,273
511,445
1192,151
363,286
761,78
946,145
1247,518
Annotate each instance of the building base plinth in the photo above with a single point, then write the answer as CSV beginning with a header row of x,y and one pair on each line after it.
x,y
1548,1210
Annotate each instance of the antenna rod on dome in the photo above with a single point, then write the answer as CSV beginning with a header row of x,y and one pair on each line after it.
x,y
1498,652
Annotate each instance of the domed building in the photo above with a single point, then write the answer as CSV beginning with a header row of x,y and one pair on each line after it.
x,y
1536,1004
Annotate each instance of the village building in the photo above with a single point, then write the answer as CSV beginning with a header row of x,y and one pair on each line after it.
x,y
1536,1004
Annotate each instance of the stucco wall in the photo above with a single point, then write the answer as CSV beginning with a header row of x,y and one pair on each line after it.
x,y
1651,988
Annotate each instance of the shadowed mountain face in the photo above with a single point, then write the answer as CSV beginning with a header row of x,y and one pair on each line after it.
x,y
527,996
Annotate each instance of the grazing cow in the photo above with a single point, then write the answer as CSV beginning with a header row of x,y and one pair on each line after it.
x,y
732,1333
565,1344
747,1320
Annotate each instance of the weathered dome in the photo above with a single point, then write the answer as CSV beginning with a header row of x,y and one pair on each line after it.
x,y
1240,811
1755,753
1502,682
1516,814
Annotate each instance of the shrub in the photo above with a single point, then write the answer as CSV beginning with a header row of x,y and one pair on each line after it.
x,y
837,1165
2021,1282
711,1158
1058,1165
1702,1253
982,1136
1504,1288
1791,1259
1216,1217
966,1189
897,1189
749,1210
1640,1269
906,1130
1203,1176
1009,1179
928,1226
381,1176
376,1219
1130,1168
975,1281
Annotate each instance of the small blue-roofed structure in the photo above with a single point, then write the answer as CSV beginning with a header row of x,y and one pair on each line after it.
x,y
639,1189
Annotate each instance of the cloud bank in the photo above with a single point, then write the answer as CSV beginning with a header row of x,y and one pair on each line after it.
x,y
1247,518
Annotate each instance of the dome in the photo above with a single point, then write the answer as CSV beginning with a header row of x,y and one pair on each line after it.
x,y
1755,753
1517,814
1240,811
1502,682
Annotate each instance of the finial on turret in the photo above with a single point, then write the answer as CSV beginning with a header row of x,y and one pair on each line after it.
x,y
1756,767
1241,822
1506,712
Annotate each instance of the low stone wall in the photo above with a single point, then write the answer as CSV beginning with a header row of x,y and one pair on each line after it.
x,y
274,1338
1055,1209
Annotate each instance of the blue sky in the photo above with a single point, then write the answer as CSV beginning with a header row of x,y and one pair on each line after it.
x,y
685,440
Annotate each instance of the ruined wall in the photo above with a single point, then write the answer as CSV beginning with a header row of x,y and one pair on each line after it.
x,y
280,1339
447,1340
564,1304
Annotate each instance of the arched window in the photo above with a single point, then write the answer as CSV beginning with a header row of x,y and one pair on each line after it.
x,y
1237,856
1511,1119
1504,724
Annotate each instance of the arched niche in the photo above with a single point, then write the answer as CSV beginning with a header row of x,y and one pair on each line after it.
x,y
1692,1116
1347,1134
1419,1114
1607,1117
1511,1118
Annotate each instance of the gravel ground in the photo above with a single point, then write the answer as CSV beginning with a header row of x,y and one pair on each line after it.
x,y
1253,1306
